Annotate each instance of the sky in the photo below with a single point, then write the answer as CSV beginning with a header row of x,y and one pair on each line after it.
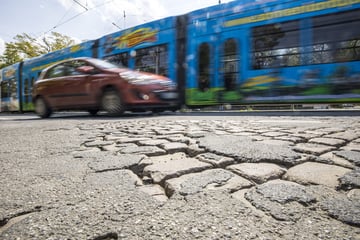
x,y
85,19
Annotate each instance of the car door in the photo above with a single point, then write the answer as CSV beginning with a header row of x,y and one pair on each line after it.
x,y
51,87
76,86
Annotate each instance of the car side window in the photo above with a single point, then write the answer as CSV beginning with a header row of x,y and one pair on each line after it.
x,y
73,65
57,71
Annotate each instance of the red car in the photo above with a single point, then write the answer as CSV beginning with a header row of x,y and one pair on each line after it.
x,y
94,85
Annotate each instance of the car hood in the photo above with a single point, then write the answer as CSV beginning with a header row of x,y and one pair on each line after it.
x,y
143,78
137,75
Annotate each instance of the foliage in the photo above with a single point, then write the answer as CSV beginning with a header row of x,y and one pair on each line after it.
x,y
24,46
10,55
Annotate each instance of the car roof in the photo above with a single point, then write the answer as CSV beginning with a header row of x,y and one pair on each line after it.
x,y
65,60
60,62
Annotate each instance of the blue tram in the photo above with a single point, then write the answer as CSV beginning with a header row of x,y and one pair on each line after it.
x,y
274,52
241,52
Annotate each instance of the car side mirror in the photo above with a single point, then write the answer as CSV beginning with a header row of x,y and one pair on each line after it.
x,y
86,69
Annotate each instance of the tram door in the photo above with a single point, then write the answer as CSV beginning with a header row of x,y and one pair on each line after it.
x,y
229,64
9,96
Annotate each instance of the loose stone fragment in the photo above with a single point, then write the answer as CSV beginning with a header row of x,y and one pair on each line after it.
x,y
163,159
328,141
163,170
195,134
354,194
283,200
284,191
114,137
352,156
274,134
331,158
316,149
110,148
244,149
348,136
194,149
339,206
146,150
258,172
216,160
292,139
350,180
353,146
98,143
174,147
177,138
153,142
316,173
131,139
213,179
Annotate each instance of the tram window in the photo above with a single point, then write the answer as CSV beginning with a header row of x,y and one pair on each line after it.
x,y
120,59
336,37
230,64
204,73
153,60
276,45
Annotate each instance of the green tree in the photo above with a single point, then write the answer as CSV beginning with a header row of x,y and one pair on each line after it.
x,y
10,55
24,46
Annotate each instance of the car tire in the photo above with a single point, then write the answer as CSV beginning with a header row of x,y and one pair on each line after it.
x,y
112,103
41,108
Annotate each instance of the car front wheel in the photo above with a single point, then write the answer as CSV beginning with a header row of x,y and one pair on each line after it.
x,y
111,103
41,108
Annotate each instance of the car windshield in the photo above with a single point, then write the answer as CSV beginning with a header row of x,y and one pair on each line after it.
x,y
103,64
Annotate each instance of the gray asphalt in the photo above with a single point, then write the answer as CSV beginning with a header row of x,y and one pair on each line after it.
x,y
199,175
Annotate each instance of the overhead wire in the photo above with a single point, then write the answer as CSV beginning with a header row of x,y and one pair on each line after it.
x,y
81,5
86,9
66,13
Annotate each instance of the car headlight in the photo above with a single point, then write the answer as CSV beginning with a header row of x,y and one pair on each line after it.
x,y
136,78
142,79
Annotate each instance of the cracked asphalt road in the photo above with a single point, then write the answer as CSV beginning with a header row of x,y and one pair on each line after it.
x,y
180,177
